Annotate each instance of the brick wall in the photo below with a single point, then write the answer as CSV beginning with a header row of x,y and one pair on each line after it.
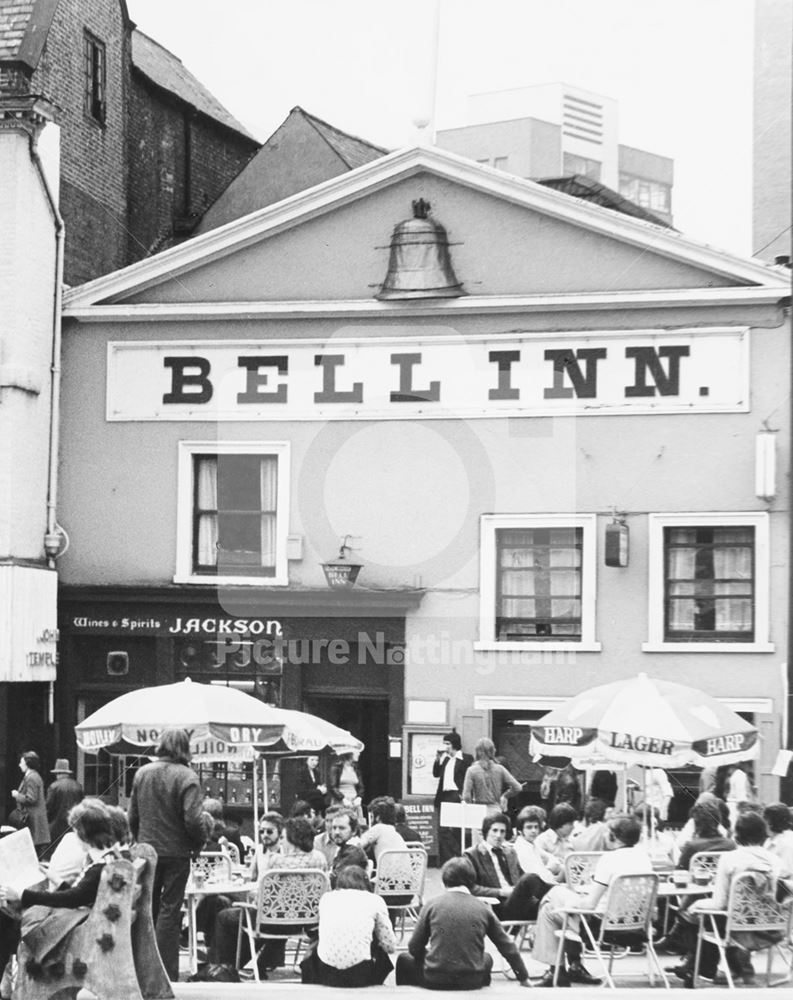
x,y
164,190
93,156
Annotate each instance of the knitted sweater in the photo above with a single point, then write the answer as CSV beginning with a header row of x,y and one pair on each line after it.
x,y
165,809
449,938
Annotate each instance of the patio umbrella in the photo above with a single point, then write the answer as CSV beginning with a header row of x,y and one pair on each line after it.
x,y
223,723
652,723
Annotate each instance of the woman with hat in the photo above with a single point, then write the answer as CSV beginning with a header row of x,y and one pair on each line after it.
x,y
30,800
63,793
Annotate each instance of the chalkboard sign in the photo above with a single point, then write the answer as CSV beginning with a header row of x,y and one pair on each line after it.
x,y
421,817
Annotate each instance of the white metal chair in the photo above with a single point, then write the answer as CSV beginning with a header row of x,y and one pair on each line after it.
x,y
704,863
579,867
399,879
753,920
287,905
210,866
629,910
231,849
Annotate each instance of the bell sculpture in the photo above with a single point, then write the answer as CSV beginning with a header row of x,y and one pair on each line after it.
x,y
420,266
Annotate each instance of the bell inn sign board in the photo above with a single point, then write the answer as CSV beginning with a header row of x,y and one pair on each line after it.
x,y
443,375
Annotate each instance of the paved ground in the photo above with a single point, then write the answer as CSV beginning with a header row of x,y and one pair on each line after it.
x,y
630,973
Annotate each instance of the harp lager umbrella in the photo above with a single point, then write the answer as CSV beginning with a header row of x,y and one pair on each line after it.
x,y
652,723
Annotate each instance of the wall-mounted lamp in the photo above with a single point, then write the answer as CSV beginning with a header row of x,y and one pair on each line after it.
x,y
765,465
617,543
341,572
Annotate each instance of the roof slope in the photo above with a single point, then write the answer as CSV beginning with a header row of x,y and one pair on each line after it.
x,y
580,186
303,151
167,71
353,150
539,219
23,29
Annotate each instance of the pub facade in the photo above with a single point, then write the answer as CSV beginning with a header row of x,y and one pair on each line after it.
x,y
563,463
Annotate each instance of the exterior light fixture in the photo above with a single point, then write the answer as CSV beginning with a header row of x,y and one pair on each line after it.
x,y
617,543
765,465
342,572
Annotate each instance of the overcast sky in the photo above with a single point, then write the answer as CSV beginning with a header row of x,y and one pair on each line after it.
x,y
680,69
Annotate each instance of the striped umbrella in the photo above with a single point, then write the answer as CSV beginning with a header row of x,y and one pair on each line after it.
x,y
647,722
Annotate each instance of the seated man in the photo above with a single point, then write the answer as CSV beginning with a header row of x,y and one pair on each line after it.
x,y
625,857
593,834
447,948
343,834
498,874
556,839
751,833
382,835
528,826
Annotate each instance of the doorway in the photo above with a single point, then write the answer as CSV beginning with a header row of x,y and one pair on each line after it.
x,y
367,718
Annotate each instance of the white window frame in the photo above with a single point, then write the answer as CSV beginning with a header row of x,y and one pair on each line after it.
x,y
657,643
490,523
184,511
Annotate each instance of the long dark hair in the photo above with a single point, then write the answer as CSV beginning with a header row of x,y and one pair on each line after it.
x,y
175,745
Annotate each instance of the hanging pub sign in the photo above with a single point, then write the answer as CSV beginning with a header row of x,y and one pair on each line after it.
x,y
438,375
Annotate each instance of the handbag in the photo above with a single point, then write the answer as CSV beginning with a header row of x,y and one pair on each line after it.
x,y
19,818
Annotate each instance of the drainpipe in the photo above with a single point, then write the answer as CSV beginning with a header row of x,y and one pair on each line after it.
x,y
53,537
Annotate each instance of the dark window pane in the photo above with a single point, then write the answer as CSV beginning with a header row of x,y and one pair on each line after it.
x,y
709,584
539,583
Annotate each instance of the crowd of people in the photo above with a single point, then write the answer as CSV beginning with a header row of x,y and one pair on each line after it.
x,y
513,872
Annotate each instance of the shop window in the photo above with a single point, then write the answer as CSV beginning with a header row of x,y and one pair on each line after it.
x,y
232,513
709,581
95,62
537,581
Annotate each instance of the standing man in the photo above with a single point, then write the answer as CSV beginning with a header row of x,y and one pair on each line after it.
x,y
63,793
166,811
449,768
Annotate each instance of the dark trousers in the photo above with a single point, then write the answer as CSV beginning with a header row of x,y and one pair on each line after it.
x,y
737,958
448,836
170,879
371,973
410,972
224,946
524,900
9,939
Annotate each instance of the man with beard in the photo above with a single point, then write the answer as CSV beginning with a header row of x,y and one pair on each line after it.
x,y
343,830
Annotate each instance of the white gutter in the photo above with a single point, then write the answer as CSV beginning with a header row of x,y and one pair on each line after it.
x,y
53,536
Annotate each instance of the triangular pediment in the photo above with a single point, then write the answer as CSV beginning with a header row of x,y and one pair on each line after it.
x,y
510,237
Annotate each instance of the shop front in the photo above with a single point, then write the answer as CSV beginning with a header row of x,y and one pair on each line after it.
x,y
339,656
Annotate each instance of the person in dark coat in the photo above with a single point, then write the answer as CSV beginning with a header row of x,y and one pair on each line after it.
x,y
63,793
449,768
497,872
309,786
30,800
166,811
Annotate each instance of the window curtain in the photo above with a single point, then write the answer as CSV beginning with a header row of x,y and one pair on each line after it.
x,y
207,504
268,479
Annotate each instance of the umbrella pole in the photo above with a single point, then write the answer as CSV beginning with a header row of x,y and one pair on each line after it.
x,y
264,785
255,797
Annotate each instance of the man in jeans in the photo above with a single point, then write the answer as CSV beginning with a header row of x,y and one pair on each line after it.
x,y
165,810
